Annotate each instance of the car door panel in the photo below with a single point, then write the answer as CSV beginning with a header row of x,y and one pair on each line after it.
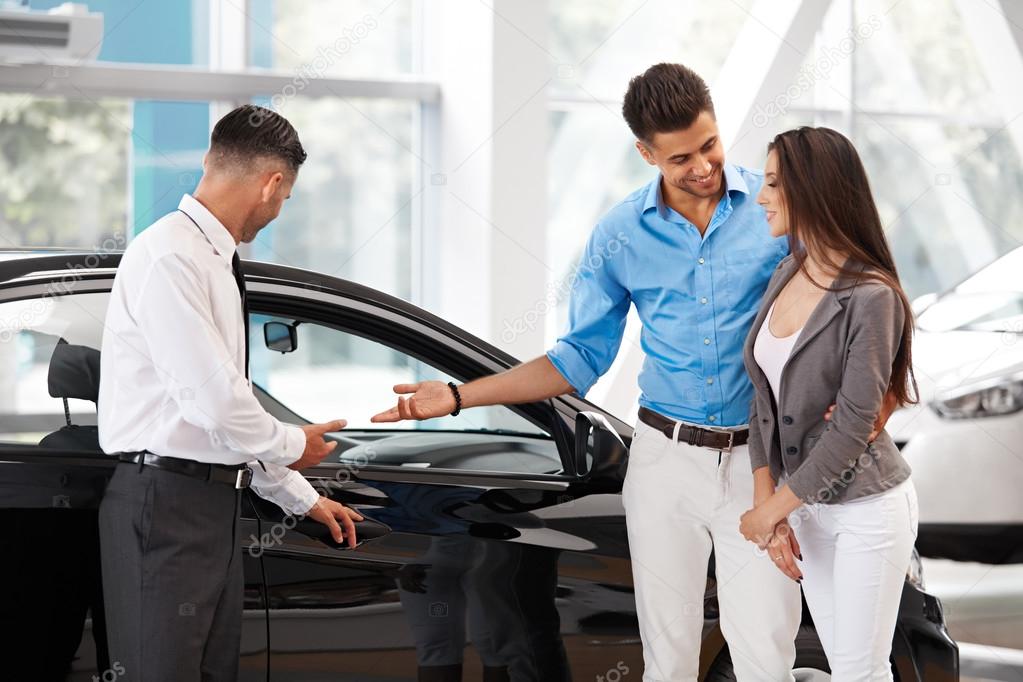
x,y
468,574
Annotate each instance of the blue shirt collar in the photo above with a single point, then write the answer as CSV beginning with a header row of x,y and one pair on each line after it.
x,y
734,182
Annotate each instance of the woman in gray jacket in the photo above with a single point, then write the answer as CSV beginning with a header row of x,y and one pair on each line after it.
x,y
835,327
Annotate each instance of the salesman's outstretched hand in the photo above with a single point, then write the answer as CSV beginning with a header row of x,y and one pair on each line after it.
x,y
316,448
429,399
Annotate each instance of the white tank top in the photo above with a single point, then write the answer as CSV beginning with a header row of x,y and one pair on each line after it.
x,y
771,353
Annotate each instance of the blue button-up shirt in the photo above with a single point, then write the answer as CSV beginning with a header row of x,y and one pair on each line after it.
x,y
695,295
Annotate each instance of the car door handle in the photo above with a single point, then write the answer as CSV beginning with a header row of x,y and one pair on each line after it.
x,y
365,531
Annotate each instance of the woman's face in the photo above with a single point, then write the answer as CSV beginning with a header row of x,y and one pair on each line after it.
x,y
771,199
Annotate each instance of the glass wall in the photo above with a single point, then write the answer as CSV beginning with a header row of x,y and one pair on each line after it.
x,y
351,212
93,172
922,101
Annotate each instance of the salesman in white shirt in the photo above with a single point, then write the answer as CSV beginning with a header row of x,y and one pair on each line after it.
x,y
177,408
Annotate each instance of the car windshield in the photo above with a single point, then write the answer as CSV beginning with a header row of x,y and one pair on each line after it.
x,y
989,300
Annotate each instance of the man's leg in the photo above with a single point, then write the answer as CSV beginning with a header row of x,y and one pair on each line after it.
x,y
760,606
124,517
668,495
174,536
223,646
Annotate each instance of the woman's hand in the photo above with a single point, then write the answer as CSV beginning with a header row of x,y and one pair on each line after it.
x,y
783,550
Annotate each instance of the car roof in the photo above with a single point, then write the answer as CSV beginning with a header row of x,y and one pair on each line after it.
x,y
16,265
19,265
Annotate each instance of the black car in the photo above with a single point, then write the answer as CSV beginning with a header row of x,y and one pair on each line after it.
x,y
494,546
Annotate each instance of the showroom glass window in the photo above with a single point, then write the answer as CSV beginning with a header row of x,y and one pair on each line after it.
x,y
925,102
350,214
93,172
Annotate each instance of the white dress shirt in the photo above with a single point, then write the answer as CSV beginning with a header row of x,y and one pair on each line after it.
x,y
172,375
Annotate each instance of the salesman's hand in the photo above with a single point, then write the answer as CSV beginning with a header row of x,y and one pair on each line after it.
x,y
430,399
316,448
328,512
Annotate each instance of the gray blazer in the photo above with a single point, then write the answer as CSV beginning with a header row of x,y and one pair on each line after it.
x,y
843,357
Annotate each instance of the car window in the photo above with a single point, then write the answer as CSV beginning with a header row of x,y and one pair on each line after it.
x,y
49,359
49,374
335,374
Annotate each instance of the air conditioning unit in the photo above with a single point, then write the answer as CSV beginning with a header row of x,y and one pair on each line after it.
x,y
70,31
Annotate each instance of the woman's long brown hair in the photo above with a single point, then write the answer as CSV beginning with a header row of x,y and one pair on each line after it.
x,y
830,209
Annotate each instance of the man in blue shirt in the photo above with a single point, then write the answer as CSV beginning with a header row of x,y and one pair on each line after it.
x,y
693,253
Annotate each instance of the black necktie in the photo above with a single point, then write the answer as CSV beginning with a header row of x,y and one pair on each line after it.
x,y
239,278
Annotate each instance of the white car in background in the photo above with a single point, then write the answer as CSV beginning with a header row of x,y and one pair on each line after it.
x,y
964,440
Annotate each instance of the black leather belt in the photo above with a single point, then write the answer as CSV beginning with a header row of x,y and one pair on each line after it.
x,y
237,476
694,435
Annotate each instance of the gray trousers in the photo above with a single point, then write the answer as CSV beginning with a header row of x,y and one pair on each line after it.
x,y
172,576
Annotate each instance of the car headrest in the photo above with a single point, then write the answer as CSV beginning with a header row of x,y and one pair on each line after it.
x,y
74,372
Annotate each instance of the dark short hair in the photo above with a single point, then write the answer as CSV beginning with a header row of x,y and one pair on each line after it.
x,y
665,98
252,131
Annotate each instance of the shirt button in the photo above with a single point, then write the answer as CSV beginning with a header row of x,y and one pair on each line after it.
x,y
710,381
700,261
787,420
712,418
791,450
703,300
706,342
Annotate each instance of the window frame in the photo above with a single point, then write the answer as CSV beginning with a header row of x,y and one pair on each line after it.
x,y
408,335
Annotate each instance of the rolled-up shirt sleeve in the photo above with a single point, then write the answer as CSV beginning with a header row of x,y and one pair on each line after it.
x,y
597,314
286,488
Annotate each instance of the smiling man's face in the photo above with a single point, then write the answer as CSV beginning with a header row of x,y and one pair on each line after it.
x,y
691,160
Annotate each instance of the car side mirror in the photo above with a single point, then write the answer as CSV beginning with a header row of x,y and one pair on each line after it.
x,y
280,336
600,453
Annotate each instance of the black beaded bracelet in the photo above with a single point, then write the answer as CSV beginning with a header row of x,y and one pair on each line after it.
x,y
458,398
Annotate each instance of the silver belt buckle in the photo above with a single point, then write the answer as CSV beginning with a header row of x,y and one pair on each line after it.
x,y
243,479
731,441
